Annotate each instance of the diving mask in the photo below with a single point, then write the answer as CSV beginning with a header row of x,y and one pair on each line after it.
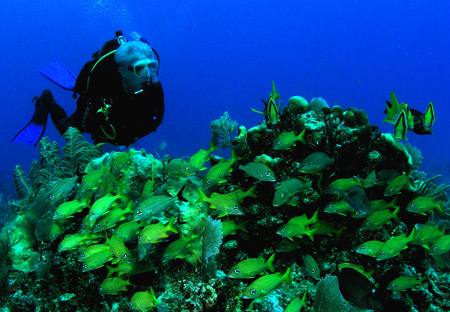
x,y
145,68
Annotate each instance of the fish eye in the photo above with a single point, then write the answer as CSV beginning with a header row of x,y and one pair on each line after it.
x,y
139,212
283,195
383,253
237,271
253,291
52,197
267,173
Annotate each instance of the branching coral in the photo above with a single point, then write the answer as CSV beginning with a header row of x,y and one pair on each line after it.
x,y
76,153
222,130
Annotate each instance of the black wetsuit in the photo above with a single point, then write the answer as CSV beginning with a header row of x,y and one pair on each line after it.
x,y
128,118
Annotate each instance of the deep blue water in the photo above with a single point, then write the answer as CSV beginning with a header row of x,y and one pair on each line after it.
x,y
221,56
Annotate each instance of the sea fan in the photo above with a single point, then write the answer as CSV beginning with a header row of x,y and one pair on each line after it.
x,y
77,153
222,130
42,176
49,154
212,239
22,183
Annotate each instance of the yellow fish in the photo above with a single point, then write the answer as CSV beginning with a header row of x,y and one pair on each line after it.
x,y
144,301
251,267
155,233
286,140
265,284
299,226
394,245
113,285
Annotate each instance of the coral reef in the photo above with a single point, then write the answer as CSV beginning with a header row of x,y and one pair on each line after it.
x,y
315,209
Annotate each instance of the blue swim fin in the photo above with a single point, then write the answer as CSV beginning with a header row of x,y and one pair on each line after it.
x,y
35,128
60,75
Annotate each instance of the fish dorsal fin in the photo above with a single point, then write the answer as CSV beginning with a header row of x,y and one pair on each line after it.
x,y
401,126
429,116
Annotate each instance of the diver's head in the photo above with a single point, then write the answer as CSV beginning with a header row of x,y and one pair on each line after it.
x,y
138,65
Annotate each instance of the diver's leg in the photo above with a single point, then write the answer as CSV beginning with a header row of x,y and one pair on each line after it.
x,y
57,113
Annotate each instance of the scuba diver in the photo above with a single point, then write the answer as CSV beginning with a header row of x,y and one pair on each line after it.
x,y
120,98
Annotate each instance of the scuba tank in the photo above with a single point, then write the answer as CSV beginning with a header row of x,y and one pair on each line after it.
x,y
100,67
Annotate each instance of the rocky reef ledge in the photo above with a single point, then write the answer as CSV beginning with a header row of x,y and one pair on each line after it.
x,y
314,210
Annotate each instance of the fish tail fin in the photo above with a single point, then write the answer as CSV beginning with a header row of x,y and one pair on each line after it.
x,y
153,295
412,235
315,217
202,195
269,263
395,213
311,233
429,116
301,137
251,191
303,301
286,277
170,226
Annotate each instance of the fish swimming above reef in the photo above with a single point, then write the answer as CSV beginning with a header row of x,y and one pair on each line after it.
x,y
286,140
424,204
265,284
393,109
153,207
287,189
299,226
311,267
251,267
54,193
259,171
405,118
271,110
315,163
396,185
356,197
402,283
394,245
